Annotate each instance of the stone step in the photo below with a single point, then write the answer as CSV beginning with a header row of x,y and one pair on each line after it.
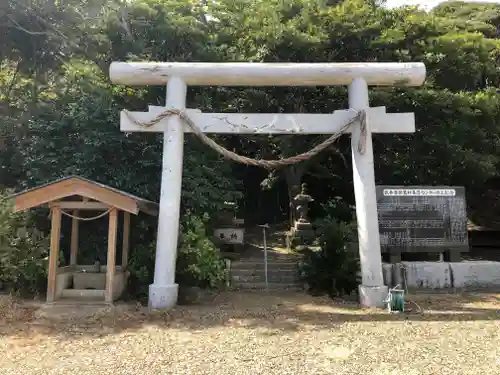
x,y
272,278
274,258
246,265
83,294
262,274
271,286
261,271
269,260
254,277
282,273
69,302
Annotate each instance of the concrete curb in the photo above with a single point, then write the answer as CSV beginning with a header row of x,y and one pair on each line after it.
x,y
443,275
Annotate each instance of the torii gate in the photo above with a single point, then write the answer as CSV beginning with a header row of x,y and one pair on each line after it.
x,y
163,292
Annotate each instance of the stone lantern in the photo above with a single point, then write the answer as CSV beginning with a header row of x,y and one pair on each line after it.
x,y
302,232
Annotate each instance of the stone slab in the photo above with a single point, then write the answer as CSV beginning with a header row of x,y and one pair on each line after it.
x,y
230,235
422,218
425,275
476,274
89,280
373,296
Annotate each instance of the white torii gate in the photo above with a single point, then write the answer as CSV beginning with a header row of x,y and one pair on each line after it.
x,y
358,76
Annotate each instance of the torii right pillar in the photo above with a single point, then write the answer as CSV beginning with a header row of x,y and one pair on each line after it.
x,y
372,291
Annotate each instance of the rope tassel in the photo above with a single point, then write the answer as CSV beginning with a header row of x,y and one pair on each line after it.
x,y
268,164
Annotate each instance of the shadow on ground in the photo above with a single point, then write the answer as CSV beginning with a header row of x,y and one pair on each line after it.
x,y
269,313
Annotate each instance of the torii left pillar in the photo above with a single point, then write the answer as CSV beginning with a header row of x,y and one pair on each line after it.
x,y
357,76
163,292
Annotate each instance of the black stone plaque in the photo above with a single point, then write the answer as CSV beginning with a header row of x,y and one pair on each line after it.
x,y
422,218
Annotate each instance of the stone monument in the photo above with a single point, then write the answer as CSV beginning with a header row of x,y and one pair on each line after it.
x,y
422,219
229,230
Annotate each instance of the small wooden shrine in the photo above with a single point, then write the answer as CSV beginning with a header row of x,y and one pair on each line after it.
x,y
69,196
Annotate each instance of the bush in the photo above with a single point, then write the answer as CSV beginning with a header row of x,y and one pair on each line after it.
x,y
198,260
335,210
23,252
141,266
334,269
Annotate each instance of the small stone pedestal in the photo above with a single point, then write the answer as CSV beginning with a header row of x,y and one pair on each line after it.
x,y
373,296
302,232
163,296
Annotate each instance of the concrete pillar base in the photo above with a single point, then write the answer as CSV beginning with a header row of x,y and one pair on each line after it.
x,y
163,296
373,296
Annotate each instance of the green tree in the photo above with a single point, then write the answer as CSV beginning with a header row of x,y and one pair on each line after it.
x,y
60,114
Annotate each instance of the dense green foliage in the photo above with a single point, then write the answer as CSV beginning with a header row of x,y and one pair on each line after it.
x,y
23,252
198,262
59,113
334,269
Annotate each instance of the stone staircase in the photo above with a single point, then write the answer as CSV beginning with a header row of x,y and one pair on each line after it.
x,y
282,273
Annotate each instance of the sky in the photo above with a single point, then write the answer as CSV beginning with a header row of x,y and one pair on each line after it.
x,y
429,3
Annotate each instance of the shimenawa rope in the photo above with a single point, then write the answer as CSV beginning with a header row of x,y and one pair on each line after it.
x,y
87,218
268,164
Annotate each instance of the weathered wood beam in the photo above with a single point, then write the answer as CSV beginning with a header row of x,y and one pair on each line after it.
x,y
126,239
55,237
111,263
148,208
74,186
74,239
267,74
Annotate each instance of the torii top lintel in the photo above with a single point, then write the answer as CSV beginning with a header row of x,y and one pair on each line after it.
x,y
268,74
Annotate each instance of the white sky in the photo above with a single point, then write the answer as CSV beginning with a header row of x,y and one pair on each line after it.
x,y
430,3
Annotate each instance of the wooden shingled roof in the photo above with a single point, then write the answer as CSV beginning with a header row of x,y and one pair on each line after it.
x,y
75,185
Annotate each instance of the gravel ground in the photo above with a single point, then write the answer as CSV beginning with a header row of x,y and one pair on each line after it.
x,y
258,333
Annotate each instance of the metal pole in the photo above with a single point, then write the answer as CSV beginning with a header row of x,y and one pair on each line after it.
x,y
264,226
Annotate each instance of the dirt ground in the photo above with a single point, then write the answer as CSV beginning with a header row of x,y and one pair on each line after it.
x,y
258,333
